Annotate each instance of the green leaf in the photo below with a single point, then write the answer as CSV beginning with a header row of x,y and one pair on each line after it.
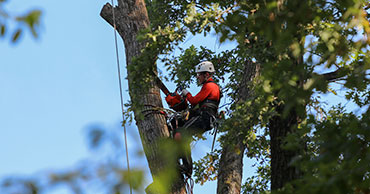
x,y
135,178
2,30
16,35
32,20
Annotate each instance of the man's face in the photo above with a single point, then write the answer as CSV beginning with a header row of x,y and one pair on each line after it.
x,y
201,77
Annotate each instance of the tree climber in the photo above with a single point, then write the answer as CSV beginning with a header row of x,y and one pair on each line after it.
x,y
202,114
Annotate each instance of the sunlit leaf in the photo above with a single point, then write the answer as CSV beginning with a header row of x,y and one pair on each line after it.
x,y
332,91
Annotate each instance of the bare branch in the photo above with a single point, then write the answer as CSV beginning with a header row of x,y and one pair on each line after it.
x,y
200,7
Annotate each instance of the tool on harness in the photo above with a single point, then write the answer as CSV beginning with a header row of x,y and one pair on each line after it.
x,y
176,120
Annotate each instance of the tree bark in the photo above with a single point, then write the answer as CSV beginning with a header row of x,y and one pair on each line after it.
x,y
231,163
231,169
131,16
282,170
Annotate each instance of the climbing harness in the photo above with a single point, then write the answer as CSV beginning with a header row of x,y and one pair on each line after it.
x,y
120,91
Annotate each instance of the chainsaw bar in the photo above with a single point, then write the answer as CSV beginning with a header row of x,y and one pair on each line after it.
x,y
161,85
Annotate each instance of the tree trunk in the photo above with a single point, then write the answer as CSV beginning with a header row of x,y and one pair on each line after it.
x,y
231,162
231,169
282,170
131,17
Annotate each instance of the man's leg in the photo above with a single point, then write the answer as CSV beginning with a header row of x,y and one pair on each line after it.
x,y
183,138
183,135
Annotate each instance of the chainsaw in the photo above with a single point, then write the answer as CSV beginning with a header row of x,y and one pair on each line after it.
x,y
174,99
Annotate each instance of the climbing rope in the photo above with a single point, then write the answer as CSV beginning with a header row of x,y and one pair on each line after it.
x,y
215,130
155,110
120,91
189,185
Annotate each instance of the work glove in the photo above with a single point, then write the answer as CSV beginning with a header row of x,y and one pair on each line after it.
x,y
184,92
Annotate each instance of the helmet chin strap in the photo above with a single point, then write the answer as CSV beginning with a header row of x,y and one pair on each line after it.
x,y
206,78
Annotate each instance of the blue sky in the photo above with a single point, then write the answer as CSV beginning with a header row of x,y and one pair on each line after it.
x,y
53,87
57,86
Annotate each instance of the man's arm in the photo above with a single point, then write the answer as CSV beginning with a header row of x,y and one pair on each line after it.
x,y
201,96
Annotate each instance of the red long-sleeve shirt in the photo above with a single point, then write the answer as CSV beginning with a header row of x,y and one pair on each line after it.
x,y
210,90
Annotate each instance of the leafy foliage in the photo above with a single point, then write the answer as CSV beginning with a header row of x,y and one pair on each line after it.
x,y
291,40
207,167
29,20
296,43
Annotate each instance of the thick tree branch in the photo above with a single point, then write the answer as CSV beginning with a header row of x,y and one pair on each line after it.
x,y
332,76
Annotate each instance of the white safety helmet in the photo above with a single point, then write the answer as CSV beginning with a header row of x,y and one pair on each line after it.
x,y
205,66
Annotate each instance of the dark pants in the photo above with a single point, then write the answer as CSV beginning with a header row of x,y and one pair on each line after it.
x,y
196,125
